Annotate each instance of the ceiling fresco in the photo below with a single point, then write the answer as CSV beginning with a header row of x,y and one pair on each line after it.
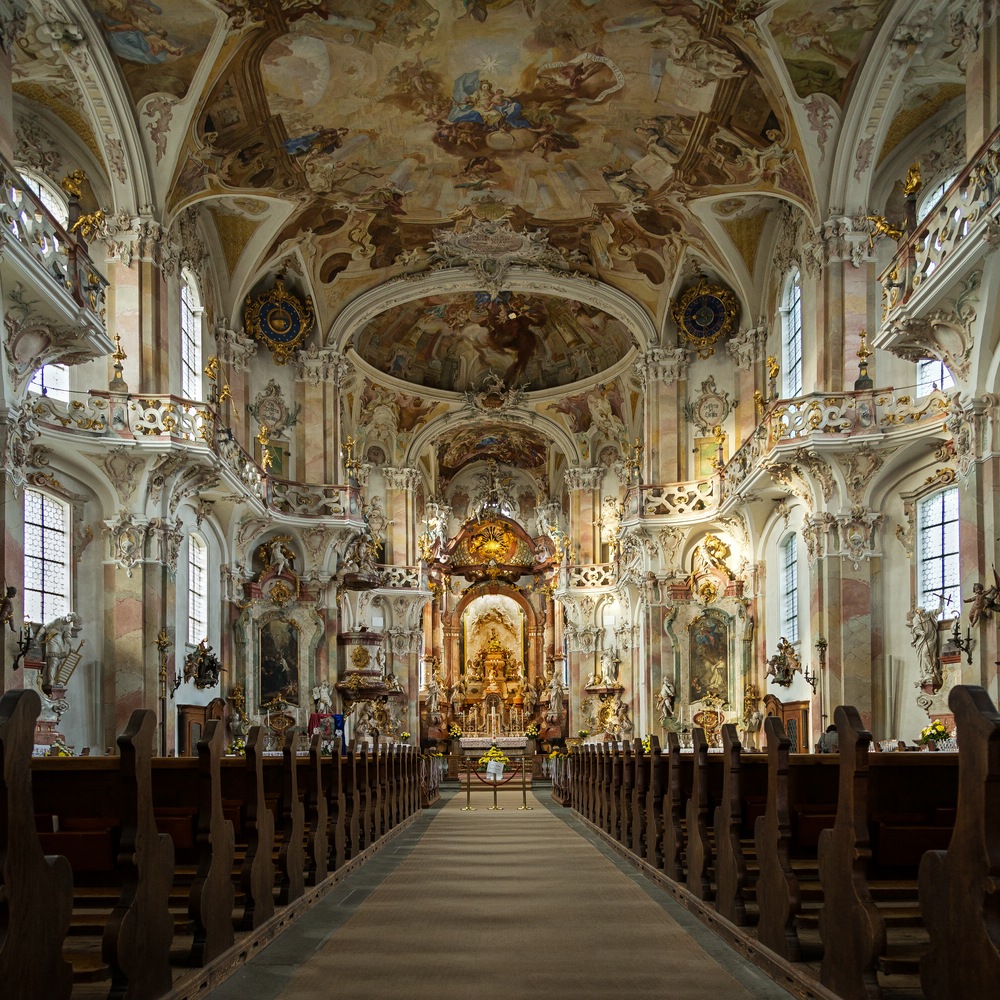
x,y
636,145
381,123
592,125
512,446
453,342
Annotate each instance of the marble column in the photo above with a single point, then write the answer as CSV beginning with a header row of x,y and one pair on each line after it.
x,y
584,509
845,564
401,539
982,75
12,23
664,374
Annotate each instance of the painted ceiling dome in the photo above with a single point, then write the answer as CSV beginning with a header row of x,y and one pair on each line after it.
x,y
452,342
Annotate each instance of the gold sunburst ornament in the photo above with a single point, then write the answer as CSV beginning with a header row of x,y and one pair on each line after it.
x,y
492,541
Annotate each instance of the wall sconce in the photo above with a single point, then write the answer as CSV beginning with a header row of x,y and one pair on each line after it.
x,y
962,645
24,639
812,679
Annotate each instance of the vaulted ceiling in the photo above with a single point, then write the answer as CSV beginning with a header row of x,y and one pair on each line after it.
x,y
636,144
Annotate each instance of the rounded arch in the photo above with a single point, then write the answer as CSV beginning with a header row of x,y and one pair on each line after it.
x,y
106,96
392,294
869,111
426,437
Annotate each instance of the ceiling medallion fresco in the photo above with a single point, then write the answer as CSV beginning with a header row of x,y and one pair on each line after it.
x,y
454,342
511,446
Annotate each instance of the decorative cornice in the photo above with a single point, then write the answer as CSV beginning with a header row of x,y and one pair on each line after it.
x,y
403,478
318,365
663,364
13,20
584,478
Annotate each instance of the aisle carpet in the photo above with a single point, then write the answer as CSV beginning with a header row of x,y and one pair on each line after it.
x,y
495,905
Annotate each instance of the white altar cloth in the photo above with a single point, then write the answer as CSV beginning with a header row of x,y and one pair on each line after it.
x,y
485,742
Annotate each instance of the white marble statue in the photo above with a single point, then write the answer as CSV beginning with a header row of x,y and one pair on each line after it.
x,y
57,640
323,698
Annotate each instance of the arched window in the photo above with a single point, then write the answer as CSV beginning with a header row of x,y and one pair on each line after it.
x,y
48,194
51,381
791,337
938,587
191,360
789,589
46,557
931,197
932,374
197,589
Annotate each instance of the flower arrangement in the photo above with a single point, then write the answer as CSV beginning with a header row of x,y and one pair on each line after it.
x,y
494,753
583,733
647,744
404,736
454,731
932,733
532,731
557,754
58,749
237,748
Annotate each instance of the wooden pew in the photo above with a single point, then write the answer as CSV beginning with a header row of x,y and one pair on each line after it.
x,y
317,865
730,859
37,891
212,896
852,928
291,822
958,886
624,749
614,791
801,802
352,803
140,929
654,803
640,784
678,791
778,896
699,848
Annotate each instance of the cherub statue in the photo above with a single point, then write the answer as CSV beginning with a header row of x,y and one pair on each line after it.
x,y
7,608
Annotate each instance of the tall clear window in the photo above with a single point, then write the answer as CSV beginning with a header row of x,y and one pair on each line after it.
x,y
48,195
932,374
937,553
51,381
197,590
791,338
46,557
932,196
790,589
191,363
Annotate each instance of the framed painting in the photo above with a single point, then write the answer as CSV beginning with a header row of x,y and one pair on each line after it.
x,y
709,646
279,459
706,449
279,661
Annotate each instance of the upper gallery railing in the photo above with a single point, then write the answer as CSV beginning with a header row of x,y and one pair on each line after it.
x,y
966,211
828,415
170,420
62,259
